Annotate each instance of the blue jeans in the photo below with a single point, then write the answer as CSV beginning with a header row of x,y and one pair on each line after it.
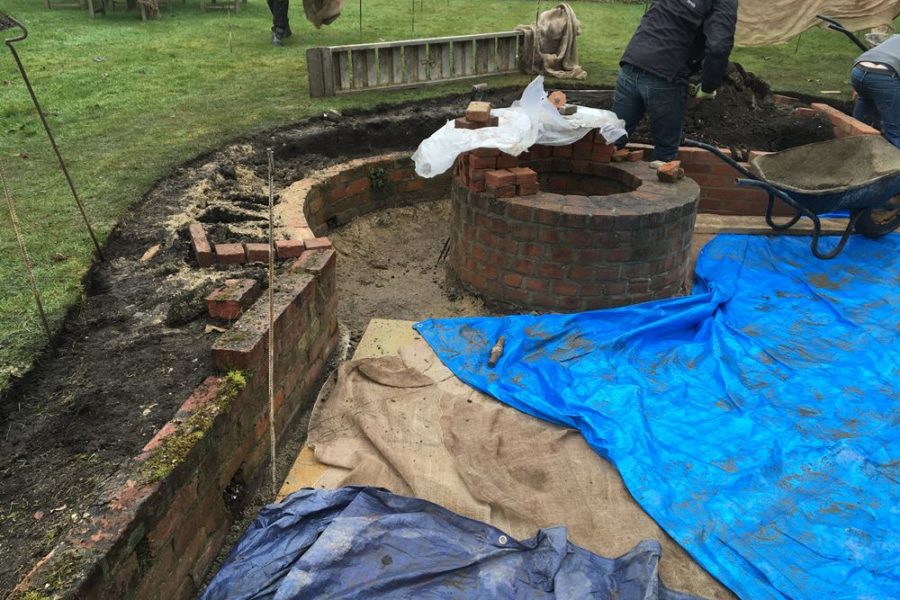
x,y
638,93
879,97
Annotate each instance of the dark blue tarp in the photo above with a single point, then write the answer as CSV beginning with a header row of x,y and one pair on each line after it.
x,y
361,543
756,421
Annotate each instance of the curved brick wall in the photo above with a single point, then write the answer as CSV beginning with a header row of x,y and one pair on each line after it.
x,y
577,247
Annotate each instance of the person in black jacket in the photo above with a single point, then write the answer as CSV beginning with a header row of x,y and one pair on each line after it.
x,y
676,38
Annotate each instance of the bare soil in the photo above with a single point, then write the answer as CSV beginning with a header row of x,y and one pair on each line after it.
x,y
136,346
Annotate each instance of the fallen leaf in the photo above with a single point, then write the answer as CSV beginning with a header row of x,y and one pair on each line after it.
x,y
151,252
211,328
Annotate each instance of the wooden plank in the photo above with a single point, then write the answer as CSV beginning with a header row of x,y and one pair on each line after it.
x,y
469,58
342,70
411,54
385,66
459,59
483,50
371,68
359,69
397,65
327,72
422,65
419,42
314,72
504,63
440,61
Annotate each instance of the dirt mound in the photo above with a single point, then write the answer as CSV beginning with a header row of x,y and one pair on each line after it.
x,y
742,115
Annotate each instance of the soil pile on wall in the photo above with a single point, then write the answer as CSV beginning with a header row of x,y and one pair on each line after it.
x,y
742,115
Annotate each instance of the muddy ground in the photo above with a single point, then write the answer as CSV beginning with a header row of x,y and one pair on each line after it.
x,y
139,342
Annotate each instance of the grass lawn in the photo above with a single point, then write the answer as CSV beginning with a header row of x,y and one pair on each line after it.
x,y
128,101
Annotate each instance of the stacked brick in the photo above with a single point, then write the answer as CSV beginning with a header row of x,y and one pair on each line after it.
x,y
208,255
595,235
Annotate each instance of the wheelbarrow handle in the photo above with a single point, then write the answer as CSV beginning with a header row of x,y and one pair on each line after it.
x,y
774,191
731,162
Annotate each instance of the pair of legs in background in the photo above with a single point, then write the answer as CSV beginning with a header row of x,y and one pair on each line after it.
x,y
878,101
664,102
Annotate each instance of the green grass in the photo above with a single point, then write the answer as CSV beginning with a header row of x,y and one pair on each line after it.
x,y
128,101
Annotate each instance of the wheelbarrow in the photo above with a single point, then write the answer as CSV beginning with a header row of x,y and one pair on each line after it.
x,y
859,174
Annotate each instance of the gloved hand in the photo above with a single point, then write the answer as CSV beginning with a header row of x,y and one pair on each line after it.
x,y
701,95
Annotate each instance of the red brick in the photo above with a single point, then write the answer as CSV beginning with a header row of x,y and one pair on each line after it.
x,y
804,113
486,152
401,174
477,186
524,175
505,161
231,300
478,112
670,172
602,153
357,186
565,288
512,279
536,285
289,248
230,254
508,191
635,155
464,123
257,252
200,244
498,179
621,155
527,189
482,162
320,243
562,151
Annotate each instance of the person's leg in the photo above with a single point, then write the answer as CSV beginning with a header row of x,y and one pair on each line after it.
x,y
884,90
627,102
864,109
280,26
666,103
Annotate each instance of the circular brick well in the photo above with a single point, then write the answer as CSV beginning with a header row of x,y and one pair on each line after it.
x,y
591,234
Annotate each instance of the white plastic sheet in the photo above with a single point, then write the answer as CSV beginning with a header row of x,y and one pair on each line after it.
x,y
530,120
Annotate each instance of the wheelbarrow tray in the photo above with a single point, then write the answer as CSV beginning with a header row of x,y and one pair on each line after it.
x,y
847,173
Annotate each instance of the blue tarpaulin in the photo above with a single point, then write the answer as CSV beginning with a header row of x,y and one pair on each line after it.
x,y
756,420
361,543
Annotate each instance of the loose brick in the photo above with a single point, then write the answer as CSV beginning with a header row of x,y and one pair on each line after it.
x,y
478,112
621,155
602,153
464,123
527,189
482,162
231,300
804,113
320,243
202,250
230,254
257,253
524,175
506,161
289,248
498,179
504,192
670,172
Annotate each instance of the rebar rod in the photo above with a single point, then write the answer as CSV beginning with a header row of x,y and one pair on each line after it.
x,y
25,258
37,105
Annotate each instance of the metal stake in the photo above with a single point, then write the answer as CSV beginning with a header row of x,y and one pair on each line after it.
x,y
21,239
5,22
272,322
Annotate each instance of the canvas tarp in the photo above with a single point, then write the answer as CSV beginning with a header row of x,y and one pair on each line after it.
x,y
549,46
407,424
322,12
764,22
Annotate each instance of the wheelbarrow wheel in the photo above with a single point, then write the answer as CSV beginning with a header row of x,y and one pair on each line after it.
x,y
876,222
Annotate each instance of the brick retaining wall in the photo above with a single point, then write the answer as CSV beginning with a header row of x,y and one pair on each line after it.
x,y
163,518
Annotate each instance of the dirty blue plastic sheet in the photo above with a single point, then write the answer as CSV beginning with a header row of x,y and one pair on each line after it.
x,y
360,543
756,420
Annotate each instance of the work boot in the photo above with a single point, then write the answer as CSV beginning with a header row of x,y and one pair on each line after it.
x,y
278,36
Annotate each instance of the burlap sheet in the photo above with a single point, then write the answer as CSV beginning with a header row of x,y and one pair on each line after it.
x,y
764,22
407,424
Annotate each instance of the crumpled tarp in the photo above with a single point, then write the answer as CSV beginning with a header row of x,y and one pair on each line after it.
x,y
757,421
407,424
364,543
530,120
